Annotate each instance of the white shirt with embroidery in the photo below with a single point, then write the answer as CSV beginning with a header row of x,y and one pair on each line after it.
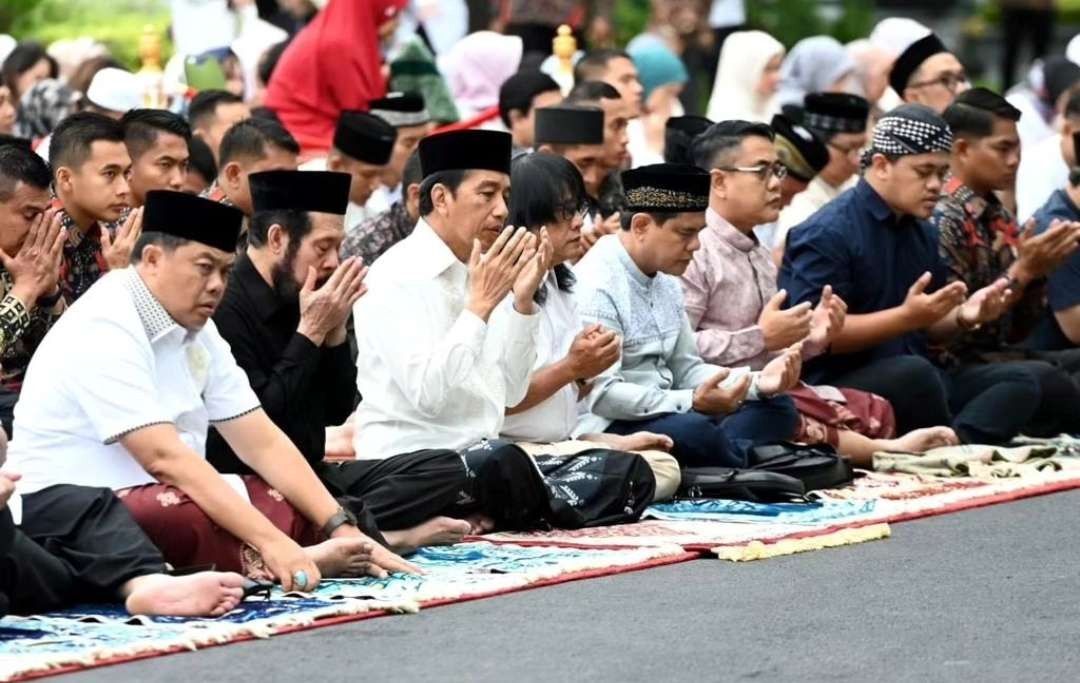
x,y
431,373
116,362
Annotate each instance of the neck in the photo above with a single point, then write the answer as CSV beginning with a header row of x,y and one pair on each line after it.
x,y
874,183
438,224
1073,194
263,262
959,171
739,224
636,256
83,219
832,177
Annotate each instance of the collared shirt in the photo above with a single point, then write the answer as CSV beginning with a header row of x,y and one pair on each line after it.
x,y
21,331
555,418
373,237
660,366
114,363
978,238
302,387
817,194
84,262
871,258
725,289
1063,285
433,374
1042,170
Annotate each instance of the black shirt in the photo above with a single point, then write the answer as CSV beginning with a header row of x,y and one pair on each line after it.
x,y
302,387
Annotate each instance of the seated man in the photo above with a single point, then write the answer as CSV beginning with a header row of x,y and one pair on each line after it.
x,y
628,284
80,544
549,194
284,315
575,133
90,167
840,120
927,73
202,170
873,246
371,238
980,241
31,244
1044,167
122,392
212,113
735,310
406,113
679,134
802,152
519,97
363,145
1060,327
157,142
251,146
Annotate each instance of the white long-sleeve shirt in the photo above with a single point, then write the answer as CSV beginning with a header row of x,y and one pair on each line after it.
x,y
432,374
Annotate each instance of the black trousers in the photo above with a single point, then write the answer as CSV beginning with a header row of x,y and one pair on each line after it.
x,y
494,478
985,403
76,544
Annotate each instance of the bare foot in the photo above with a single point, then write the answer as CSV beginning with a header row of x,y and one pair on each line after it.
x,y
341,557
206,594
436,531
638,441
480,523
922,440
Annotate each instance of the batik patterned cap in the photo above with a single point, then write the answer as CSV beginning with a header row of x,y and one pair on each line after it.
x,y
666,187
908,130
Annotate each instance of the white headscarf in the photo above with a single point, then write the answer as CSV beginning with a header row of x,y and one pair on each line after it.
x,y
896,34
477,66
814,64
742,62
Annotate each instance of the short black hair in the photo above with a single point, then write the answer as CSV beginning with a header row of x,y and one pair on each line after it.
x,y
593,64
518,92
204,105
269,61
265,113
72,138
250,138
659,217
297,225
202,159
162,239
412,173
451,179
711,148
20,164
143,126
973,111
23,58
543,184
592,91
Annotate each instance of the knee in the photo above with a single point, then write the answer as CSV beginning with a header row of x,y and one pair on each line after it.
x,y
1024,381
781,412
665,469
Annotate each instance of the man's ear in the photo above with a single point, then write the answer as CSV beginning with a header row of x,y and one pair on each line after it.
x,y
62,178
640,224
441,198
961,147
516,116
232,173
277,239
718,183
547,149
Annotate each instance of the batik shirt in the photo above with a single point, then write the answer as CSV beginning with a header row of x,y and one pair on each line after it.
x,y
372,237
978,239
84,262
21,331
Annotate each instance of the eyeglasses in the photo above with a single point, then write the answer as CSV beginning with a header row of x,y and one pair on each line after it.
x,y
950,80
762,171
569,210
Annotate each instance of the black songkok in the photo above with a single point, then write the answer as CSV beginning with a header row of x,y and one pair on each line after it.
x,y
677,188
194,218
466,150
365,137
569,126
911,59
316,191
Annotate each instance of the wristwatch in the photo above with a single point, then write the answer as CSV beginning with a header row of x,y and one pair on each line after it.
x,y
340,518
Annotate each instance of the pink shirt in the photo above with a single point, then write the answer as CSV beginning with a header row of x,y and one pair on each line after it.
x,y
726,287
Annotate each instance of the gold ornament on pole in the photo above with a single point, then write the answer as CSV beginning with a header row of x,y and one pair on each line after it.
x,y
150,73
564,46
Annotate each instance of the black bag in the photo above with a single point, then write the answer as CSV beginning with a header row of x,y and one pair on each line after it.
x,y
596,487
756,486
817,466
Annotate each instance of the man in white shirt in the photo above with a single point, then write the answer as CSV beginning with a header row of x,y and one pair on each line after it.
x,y
121,394
1045,167
407,113
363,145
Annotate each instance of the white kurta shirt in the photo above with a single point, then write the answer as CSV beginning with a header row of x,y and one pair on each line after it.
x,y
555,418
431,373
116,362
1042,170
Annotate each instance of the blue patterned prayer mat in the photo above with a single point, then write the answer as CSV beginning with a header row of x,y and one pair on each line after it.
x,y
713,509
94,635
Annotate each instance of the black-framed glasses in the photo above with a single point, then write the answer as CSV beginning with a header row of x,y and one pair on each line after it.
x,y
569,210
950,80
762,171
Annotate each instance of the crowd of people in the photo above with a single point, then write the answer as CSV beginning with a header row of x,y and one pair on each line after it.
x,y
300,325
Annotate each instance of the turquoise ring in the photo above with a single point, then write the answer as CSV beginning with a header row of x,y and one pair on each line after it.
x,y
300,579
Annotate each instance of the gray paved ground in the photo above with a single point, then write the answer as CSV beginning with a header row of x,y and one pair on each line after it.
x,y
987,595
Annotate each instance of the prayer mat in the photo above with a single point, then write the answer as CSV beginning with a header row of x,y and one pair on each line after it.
x,y
98,635
743,530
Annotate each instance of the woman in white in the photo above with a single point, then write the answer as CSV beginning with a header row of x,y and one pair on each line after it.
x,y
747,76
